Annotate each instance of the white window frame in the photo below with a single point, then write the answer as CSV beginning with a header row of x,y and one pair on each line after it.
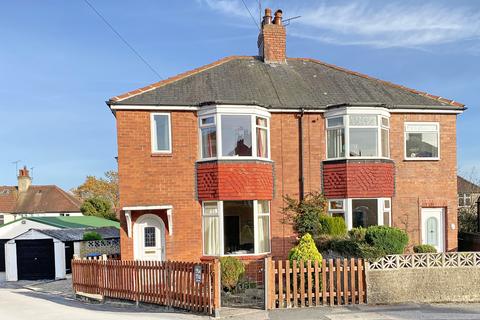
x,y
345,113
464,197
255,228
201,126
336,210
153,133
348,210
437,124
217,112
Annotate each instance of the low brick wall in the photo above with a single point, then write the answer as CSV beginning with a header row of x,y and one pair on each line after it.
x,y
424,278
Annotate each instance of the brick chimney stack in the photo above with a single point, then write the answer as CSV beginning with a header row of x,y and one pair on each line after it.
x,y
272,38
24,180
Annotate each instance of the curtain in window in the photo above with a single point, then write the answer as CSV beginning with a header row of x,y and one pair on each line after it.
x,y
209,142
262,144
211,234
263,234
336,143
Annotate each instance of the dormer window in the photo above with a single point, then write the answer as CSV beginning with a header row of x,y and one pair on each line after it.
x,y
234,133
358,134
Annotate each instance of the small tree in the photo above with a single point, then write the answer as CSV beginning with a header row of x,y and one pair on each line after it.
x,y
305,250
305,215
98,207
91,236
232,270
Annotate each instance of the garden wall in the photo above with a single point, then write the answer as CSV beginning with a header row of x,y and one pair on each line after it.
x,y
424,278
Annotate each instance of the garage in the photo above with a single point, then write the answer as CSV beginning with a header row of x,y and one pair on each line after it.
x,y
35,259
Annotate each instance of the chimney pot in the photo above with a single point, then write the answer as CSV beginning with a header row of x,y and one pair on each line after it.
x,y
278,17
267,18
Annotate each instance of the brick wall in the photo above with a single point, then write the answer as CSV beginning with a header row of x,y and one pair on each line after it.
x,y
358,179
146,179
273,41
234,180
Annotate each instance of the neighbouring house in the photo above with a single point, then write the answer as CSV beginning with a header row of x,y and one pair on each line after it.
x,y
468,194
42,247
206,157
27,200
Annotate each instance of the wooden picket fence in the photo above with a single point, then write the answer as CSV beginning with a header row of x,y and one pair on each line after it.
x,y
167,283
299,284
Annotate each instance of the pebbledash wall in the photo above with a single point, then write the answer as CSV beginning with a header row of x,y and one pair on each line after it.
x,y
152,179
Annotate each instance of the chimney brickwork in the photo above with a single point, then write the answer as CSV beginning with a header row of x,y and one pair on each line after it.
x,y
24,180
272,38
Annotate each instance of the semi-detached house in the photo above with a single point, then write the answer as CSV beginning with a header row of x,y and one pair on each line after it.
x,y
206,157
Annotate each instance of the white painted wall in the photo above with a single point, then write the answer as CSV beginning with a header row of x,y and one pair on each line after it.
x,y
21,226
7,217
48,214
11,255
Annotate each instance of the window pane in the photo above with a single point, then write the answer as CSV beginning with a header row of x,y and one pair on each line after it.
x,y
422,145
461,202
336,143
386,204
385,142
263,207
211,235
363,120
210,209
262,143
468,201
385,122
363,142
238,230
236,135
336,205
209,142
207,121
386,218
149,236
432,231
161,133
332,122
365,212
261,122
263,234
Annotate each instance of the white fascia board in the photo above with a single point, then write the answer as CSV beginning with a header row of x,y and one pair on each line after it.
x,y
433,111
138,208
234,109
155,108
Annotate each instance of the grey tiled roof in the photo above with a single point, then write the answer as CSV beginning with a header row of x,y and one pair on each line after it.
x,y
300,83
77,233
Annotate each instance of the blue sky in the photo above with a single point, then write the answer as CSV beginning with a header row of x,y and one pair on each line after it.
x,y
59,63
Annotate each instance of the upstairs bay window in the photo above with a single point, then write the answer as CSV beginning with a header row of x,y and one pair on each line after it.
x,y
358,136
234,136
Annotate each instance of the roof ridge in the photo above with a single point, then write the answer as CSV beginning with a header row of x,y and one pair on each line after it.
x,y
175,78
391,84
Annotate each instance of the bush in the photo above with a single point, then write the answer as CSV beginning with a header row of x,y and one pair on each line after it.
x,y
305,215
333,226
98,207
92,236
424,248
232,270
305,250
390,240
357,234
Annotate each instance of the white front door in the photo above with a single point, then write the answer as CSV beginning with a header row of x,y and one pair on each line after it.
x,y
433,227
149,238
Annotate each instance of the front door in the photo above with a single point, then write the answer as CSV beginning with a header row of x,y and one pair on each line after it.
x,y
149,237
433,227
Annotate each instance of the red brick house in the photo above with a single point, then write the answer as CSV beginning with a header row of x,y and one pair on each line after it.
x,y
206,157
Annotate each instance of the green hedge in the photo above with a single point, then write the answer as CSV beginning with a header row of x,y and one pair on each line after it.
x,y
424,248
388,239
91,236
333,226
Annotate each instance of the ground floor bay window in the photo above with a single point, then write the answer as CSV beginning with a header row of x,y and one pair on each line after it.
x,y
362,212
236,227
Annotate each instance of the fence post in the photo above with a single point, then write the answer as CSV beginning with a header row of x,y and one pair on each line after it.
x,y
269,279
217,283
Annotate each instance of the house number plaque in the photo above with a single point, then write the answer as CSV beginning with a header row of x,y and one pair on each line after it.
x,y
197,271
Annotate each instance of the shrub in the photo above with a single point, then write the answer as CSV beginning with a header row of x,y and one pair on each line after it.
x,y
357,234
232,270
305,250
424,248
390,240
333,226
98,207
305,215
91,236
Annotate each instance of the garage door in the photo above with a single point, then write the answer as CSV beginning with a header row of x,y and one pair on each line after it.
x,y
35,259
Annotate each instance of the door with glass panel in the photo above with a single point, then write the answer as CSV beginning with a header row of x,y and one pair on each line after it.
x,y
433,227
149,235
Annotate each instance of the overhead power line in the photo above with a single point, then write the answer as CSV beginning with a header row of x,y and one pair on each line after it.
x,y
123,39
250,13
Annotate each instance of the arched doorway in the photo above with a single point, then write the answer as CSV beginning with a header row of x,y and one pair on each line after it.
x,y
149,238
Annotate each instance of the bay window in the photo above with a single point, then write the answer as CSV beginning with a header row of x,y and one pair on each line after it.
x,y
362,212
422,141
236,227
228,135
358,136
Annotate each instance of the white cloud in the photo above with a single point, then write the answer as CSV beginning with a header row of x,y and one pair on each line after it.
x,y
395,24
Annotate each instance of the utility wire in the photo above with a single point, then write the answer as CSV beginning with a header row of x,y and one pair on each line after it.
x,y
123,39
250,13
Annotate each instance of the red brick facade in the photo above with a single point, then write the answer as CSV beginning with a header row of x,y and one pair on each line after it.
x,y
358,179
177,179
234,180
